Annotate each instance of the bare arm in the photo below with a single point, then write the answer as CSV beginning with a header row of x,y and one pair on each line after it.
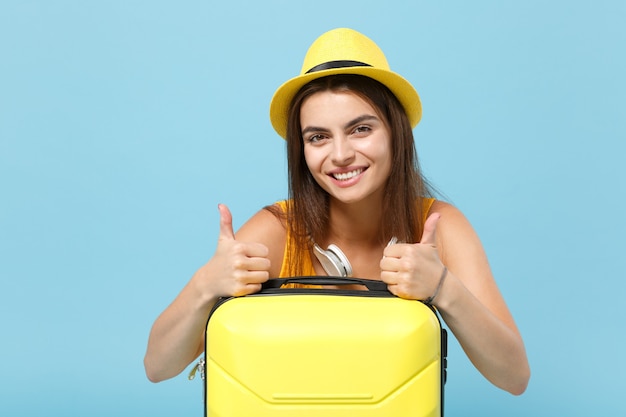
x,y
469,300
238,267
474,309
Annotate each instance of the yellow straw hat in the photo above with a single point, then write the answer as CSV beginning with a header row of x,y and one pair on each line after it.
x,y
344,51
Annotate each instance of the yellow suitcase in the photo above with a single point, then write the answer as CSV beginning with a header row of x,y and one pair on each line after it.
x,y
324,352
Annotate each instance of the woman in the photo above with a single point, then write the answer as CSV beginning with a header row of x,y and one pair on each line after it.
x,y
355,184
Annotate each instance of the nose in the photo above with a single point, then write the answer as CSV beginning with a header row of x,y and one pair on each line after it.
x,y
342,152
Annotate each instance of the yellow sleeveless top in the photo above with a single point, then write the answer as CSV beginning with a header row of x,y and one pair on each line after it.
x,y
307,263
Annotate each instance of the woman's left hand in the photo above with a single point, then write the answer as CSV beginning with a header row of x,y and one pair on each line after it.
x,y
413,271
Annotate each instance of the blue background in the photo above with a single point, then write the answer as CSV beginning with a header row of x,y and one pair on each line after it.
x,y
124,123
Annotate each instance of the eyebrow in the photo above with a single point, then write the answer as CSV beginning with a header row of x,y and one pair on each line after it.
x,y
352,122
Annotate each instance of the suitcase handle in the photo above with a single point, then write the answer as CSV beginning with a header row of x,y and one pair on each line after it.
x,y
370,284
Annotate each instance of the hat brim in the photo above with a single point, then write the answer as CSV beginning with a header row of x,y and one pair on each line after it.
x,y
400,87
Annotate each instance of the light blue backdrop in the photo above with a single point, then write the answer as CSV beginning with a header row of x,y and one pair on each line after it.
x,y
123,123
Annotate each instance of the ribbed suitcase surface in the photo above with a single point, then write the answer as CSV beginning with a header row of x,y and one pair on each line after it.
x,y
315,352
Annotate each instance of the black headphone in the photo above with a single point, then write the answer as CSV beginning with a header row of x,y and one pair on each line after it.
x,y
335,262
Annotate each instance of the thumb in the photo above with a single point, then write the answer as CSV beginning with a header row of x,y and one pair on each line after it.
x,y
226,223
430,226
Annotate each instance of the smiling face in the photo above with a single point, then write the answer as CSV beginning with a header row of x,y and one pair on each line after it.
x,y
347,147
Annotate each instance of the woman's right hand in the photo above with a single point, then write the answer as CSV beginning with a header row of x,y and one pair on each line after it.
x,y
177,336
237,268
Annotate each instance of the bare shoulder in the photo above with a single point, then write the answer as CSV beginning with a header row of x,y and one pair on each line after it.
x,y
268,228
448,209
459,246
453,227
462,252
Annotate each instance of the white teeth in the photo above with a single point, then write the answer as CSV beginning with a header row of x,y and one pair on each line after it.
x,y
347,175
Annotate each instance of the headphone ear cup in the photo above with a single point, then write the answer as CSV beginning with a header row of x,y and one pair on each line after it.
x,y
341,260
333,260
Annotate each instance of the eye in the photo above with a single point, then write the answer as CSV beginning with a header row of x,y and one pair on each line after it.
x,y
314,139
362,129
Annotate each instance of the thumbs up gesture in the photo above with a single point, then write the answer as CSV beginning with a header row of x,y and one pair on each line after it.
x,y
226,223
237,268
412,270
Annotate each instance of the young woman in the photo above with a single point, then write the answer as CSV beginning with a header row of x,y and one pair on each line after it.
x,y
354,182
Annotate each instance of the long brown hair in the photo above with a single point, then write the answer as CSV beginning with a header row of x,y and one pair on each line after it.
x,y
308,204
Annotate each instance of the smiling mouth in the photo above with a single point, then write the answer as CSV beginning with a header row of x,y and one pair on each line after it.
x,y
344,176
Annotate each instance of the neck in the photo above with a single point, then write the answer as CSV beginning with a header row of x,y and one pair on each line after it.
x,y
355,224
